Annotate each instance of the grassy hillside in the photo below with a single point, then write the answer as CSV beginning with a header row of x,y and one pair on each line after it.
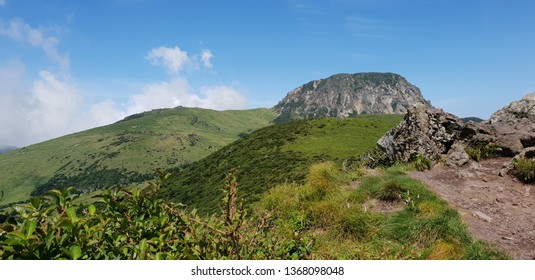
x,y
124,152
276,154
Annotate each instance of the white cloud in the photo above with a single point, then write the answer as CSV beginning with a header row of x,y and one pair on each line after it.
x,y
12,94
223,97
169,94
104,113
53,104
160,95
206,56
47,108
20,31
174,59
2,3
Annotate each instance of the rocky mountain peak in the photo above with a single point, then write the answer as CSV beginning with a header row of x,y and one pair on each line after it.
x,y
345,95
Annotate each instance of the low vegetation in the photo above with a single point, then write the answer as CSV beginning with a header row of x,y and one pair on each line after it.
x,y
389,216
135,224
275,155
481,150
524,169
422,163
297,190
321,218
124,152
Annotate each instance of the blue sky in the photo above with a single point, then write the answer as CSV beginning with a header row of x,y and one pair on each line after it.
x,y
66,66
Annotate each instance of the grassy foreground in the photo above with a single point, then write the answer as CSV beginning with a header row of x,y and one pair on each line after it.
x,y
388,216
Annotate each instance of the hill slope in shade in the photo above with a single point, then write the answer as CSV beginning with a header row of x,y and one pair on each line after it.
x,y
125,152
345,95
276,154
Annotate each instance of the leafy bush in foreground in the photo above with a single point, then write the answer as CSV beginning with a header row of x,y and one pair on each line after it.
x,y
136,224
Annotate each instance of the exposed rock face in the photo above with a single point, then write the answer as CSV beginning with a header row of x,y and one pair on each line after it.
x,y
345,95
424,131
436,134
516,111
515,124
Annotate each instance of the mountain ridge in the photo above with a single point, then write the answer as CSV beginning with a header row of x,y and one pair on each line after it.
x,y
124,152
345,95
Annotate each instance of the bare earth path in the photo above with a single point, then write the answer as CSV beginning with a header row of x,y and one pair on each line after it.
x,y
499,210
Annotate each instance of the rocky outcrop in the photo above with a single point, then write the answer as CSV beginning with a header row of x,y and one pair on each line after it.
x,y
439,135
345,95
515,124
424,131
516,111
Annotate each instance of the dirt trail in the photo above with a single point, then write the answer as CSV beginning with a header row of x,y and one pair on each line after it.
x,y
499,210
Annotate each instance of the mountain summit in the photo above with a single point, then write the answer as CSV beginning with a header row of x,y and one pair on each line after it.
x,y
345,95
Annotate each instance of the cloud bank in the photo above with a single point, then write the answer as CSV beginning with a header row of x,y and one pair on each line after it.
x,y
46,108
53,104
173,92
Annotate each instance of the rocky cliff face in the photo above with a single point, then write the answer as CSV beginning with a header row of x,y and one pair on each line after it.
x,y
345,95
439,135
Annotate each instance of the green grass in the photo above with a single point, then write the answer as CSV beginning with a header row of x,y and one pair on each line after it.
x,y
524,169
126,150
276,154
344,226
341,138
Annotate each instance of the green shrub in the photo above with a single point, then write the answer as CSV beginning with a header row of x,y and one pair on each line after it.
x,y
136,224
524,169
422,163
480,151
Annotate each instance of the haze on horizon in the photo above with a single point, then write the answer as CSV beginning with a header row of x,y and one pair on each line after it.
x,y
70,66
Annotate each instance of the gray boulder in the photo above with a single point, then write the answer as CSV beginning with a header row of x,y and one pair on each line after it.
x,y
456,156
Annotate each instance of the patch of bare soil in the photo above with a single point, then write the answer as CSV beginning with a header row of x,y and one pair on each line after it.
x,y
499,210
385,207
